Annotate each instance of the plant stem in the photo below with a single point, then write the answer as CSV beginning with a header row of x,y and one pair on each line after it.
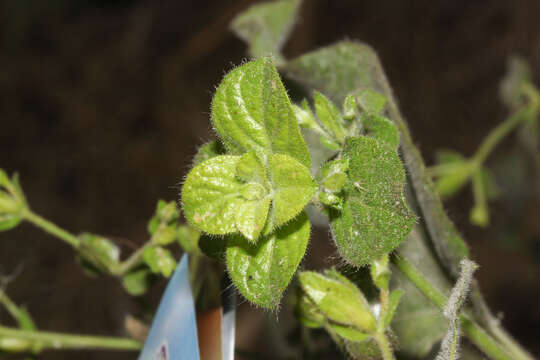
x,y
384,346
475,333
133,261
65,341
51,228
499,133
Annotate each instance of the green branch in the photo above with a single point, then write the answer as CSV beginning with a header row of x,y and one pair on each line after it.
x,y
506,127
473,331
59,341
51,228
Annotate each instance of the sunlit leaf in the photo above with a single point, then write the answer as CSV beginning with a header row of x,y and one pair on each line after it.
x,y
262,271
252,111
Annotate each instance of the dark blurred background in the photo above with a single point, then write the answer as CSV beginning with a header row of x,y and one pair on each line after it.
x,y
103,104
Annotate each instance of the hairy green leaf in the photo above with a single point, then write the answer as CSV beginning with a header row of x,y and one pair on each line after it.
x,y
293,187
262,271
213,246
393,302
99,251
265,27
9,221
212,194
349,333
336,70
338,299
382,129
333,175
370,101
308,313
329,116
209,150
252,111
137,282
188,238
349,107
375,218
159,260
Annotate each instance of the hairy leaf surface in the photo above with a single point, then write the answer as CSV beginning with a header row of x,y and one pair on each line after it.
x,y
252,111
262,271
375,218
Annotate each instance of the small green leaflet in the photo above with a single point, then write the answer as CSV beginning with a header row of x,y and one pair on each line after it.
x,y
329,116
375,218
338,299
293,187
228,193
262,271
252,111
211,195
159,260
382,129
209,150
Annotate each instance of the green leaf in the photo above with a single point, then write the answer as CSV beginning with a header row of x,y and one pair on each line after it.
x,y
375,218
349,107
382,129
165,235
393,302
212,194
337,70
380,272
251,169
329,116
305,116
188,238
137,282
213,246
252,111
9,221
265,27
330,199
209,150
308,313
450,183
159,260
448,156
333,175
99,251
338,299
293,187
370,101
262,271
251,216
218,201
349,333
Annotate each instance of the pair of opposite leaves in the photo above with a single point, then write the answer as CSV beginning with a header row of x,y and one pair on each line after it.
x,y
265,183
255,193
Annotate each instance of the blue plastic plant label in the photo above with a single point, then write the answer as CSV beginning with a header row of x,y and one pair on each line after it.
x,y
173,335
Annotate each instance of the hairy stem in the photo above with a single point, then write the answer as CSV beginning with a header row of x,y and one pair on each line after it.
x,y
384,346
59,341
473,331
51,228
